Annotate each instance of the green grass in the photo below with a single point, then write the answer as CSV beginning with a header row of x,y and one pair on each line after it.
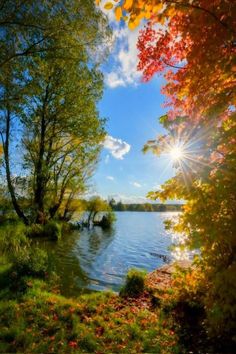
x,y
40,321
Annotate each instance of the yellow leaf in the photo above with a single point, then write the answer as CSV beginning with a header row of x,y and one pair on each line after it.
x,y
148,15
148,8
162,20
171,12
157,8
118,13
133,24
127,4
108,6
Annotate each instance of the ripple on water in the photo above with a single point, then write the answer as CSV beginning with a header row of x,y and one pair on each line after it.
x,y
98,260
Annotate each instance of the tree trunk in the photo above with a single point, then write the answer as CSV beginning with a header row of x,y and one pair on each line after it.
x,y
40,173
89,218
15,204
94,215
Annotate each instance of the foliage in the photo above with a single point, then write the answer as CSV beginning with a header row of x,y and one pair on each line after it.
x,y
42,69
145,207
94,206
27,36
17,249
53,230
13,238
134,284
35,230
6,211
29,262
198,38
220,302
193,45
107,220
208,224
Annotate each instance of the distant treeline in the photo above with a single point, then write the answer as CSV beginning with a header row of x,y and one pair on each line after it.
x,y
145,207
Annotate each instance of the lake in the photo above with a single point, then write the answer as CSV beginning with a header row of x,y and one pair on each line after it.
x,y
99,259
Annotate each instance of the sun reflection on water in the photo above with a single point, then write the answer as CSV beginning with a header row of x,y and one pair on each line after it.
x,y
178,250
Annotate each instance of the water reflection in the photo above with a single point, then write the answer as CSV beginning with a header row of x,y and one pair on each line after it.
x,y
96,259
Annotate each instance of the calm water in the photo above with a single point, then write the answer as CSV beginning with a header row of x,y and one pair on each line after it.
x,y
96,259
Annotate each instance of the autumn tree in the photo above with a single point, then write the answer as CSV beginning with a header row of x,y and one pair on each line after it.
x,y
192,43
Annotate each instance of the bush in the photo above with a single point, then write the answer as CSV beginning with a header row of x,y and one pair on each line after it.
x,y
52,230
22,260
30,262
13,238
107,220
220,304
66,227
35,230
134,284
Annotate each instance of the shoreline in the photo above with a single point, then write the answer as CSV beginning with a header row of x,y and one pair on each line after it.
x,y
161,278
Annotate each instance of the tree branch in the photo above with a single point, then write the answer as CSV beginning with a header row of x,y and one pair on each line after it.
x,y
197,7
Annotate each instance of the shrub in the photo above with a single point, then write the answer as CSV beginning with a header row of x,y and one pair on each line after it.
x,y
35,230
220,304
52,230
134,284
107,220
66,227
13,238
32,262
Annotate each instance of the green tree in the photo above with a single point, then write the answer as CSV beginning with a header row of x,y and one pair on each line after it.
x,y
62,131
95,206
29,28
51,91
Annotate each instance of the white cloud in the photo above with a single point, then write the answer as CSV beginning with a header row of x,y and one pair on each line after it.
x,y
123,70
110,178
124,57
113,80
136,184
117,147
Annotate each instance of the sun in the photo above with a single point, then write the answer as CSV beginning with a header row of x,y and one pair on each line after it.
x,y
177,153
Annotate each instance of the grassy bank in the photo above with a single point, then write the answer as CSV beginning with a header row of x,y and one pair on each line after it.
x,y
156,313
39,320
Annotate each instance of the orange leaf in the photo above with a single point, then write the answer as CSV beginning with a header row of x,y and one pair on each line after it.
x,y
118,13
127,4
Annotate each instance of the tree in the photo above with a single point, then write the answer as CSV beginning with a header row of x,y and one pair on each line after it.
x,y
62,132
193,44
94,206
33,28
51,92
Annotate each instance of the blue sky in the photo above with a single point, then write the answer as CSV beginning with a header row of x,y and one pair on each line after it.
x,y
132,109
